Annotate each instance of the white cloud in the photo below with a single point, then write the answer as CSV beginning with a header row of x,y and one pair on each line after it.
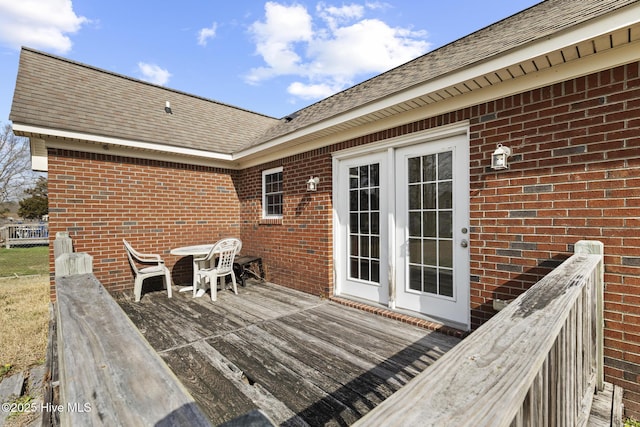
x,y
207,33
152,73
329,53
39,24
312,91
276,37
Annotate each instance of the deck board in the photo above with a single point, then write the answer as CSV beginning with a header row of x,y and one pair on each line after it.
x,y
300,359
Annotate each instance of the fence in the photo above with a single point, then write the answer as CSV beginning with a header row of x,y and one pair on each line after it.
x,y
24,234
536,362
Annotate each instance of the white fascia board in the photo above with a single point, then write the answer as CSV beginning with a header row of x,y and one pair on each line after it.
x,y
110,141
624,17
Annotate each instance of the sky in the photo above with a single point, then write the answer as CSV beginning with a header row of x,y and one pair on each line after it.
x,y
272,57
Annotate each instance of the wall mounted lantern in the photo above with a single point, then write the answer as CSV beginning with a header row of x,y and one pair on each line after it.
x,y
312,184
499,158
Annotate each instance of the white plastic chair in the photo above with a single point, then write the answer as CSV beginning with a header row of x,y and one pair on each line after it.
x,y
157,268
212,269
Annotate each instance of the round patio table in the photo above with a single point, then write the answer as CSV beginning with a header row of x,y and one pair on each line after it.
x,y
194,251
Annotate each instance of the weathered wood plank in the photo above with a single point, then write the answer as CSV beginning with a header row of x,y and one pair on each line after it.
x,y
275,410
112,385
363,377
295,391
491,371
218,397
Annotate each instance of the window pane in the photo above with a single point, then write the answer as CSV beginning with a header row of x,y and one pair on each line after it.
x,y
364,223
414,169
414,197
364,269
375,175
445,225
445,255
364,200
415,223
364,246
353,177
353,223
429,224
445,198
353,200
429,168
415,278
375,199
429,196
354,272
429,250
430,280
445,165
375,247
446,282
354,250
415,251
375,222
375,271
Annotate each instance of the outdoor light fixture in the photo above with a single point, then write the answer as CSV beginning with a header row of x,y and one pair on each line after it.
x,y
499,158
312,184
167,108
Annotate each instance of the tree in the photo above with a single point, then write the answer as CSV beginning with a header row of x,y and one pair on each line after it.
x,y
36,206
15,166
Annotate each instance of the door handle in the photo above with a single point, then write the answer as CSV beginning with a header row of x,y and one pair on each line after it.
x,y
464,243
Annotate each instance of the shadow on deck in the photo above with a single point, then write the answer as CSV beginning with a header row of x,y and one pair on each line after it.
x,y
300,359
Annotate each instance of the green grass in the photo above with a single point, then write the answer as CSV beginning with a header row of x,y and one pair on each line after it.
x,y
24,261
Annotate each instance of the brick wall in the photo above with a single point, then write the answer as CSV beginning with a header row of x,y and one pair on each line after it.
x,y
156,206
297,250
575,174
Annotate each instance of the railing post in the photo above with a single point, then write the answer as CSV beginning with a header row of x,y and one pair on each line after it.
x,y
597,248
68,262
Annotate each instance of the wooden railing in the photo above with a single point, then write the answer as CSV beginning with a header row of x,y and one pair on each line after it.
x,y
24,234
537,362
109,375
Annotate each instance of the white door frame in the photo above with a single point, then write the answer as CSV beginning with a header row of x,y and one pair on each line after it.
x,y
389,147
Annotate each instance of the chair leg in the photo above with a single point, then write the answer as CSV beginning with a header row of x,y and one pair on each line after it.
x,y
235,286
137,288
167,278
213,280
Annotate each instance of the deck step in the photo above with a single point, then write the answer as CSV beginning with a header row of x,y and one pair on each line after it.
x,y
607,408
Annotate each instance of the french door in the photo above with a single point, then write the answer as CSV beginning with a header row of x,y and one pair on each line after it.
x,y
363,227
432,214
402,228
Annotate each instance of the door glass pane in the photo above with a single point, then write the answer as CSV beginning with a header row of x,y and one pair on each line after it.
x,y
429,196
415,251
415,278
364,223
414,169
414,197
429,168
446,282
430,252
431,224
445,195
445,165
445,253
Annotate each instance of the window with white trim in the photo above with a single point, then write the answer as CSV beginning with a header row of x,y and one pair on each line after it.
x,y
272,195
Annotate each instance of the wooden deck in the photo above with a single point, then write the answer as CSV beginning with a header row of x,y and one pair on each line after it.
x,y
300,359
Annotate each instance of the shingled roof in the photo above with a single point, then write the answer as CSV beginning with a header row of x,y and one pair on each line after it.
x,y
56,93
